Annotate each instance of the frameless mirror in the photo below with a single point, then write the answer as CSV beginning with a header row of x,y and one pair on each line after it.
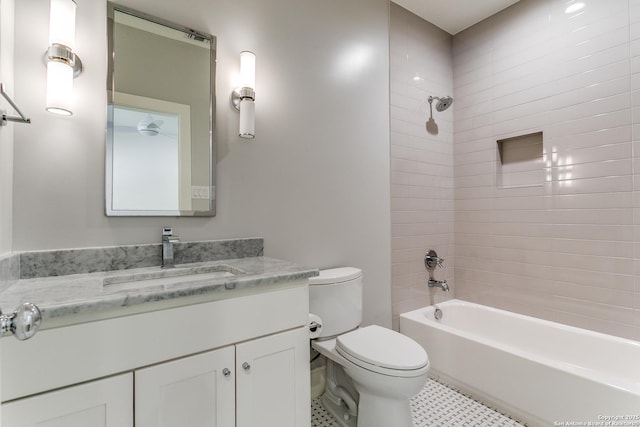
x,y
160,97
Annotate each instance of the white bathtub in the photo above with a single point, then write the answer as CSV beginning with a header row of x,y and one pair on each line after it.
x,y
541,372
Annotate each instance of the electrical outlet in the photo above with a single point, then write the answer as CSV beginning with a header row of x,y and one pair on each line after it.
x,y
200,192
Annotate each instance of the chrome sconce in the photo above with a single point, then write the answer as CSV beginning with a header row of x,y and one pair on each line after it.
x,y
243,98
63,65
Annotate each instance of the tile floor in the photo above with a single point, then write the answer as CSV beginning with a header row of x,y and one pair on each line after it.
x,y
436,405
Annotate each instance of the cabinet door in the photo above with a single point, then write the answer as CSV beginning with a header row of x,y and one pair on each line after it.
x,y
101,403
192,391
272,384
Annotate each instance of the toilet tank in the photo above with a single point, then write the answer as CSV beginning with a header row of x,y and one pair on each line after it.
x,y
336,296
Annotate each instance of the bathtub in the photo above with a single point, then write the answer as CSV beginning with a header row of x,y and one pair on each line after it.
x,y
540,372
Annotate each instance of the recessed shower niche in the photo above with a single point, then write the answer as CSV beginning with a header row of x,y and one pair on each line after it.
x,y
520,161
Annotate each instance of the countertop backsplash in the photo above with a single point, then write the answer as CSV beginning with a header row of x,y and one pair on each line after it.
x,y
9,270
90,260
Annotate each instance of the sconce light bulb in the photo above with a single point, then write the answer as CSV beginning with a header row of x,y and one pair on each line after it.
x,y
59,88
248,69
247,119
62,23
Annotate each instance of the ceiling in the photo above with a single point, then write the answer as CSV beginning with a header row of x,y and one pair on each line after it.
x,y
454,16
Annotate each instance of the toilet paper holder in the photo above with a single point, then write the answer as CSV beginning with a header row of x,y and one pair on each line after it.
x,y
314,325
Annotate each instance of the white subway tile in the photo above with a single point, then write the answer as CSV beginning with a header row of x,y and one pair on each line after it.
x,y
474,204
521,242
593,278
592,108
593,45
474,193
592,92
472,169
486,180
519,92
614,55
590,124
483,156
593,247
538,106
602,264
586,75
598,325
523,256
576,168
617,314
615,136
594,185
593,201
593,216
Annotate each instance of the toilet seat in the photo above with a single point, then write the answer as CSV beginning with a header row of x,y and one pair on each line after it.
x,y
383,351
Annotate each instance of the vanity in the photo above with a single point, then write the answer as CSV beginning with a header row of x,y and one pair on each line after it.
x,y
221,342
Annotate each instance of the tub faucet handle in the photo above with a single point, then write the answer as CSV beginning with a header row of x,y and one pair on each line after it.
x,y
431,260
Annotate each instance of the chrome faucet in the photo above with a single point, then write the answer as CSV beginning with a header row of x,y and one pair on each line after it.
x,y
431,260
442,284
168,239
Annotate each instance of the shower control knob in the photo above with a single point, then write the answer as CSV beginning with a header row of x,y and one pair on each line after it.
x,y
431,260
22,323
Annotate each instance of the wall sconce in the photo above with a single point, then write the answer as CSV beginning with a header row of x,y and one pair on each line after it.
x,y
63,65
244,97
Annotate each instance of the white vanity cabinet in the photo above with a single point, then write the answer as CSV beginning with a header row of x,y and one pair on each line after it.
x,y
101,403
236,362
272,381
193,391
264,384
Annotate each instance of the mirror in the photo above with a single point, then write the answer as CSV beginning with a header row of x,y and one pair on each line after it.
x,y
160,158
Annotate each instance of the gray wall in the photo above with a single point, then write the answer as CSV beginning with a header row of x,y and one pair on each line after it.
x,y
315,181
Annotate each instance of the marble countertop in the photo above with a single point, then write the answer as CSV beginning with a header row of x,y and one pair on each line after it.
x,y
78,298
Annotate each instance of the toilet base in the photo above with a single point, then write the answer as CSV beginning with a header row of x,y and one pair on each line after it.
x,y
376,411
340,399
338,412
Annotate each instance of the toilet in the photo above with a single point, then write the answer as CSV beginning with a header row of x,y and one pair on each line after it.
x,y
372,372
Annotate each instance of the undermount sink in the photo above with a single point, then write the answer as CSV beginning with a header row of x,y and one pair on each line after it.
x,y
198,272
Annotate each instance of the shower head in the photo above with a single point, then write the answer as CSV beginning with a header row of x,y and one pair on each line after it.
x,y
443,103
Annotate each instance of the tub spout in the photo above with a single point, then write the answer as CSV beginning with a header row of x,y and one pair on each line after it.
x,y
442,284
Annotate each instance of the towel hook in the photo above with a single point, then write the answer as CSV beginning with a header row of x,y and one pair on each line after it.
x,y
5,118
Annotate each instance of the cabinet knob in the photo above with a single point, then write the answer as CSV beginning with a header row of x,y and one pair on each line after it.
x,y
226,372
246,366
22,323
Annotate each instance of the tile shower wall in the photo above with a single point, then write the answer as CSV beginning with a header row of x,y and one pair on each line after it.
x,y
568,248
421,162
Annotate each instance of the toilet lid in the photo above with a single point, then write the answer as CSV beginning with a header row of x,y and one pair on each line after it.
x,y
335,275
383,347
